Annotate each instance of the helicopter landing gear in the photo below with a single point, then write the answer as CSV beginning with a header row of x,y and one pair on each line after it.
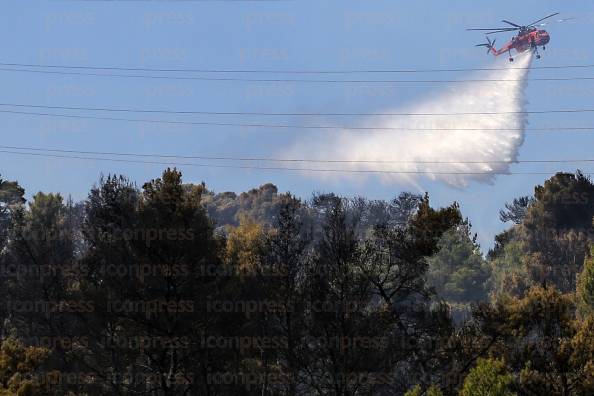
x,y
535,48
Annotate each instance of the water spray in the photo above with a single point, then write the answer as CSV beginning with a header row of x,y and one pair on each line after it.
x,y
493,138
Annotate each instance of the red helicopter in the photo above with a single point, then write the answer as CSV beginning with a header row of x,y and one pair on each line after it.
x,y
529,37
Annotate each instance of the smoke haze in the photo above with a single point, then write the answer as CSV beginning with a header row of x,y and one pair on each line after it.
x,y
451,145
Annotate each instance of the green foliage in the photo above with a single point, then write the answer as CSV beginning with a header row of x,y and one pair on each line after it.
x,y
488,378
585,287
160,244
414,391
428,225
553,228
245,246
516,211
582,355
538,336
43,248
11,198
258,205
341,286
508,271
565,201
20,369
557,228
418,391
434,391
458,271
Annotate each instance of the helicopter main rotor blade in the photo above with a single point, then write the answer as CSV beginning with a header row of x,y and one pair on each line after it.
x,y
542,19
493,29
557,20
496,32
511,23
505,29
502,31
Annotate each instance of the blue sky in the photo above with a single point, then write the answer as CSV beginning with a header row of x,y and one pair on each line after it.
x,y
299,34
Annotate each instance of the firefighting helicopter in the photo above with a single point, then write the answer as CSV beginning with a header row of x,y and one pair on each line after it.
x,y
529,37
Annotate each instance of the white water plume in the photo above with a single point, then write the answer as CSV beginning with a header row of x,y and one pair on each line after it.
x,y
493,138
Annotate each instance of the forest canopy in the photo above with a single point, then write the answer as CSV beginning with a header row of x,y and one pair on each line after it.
x,y
174,289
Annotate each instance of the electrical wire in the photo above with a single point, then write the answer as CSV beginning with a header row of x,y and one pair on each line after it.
x,y
268,159
274,168
289,126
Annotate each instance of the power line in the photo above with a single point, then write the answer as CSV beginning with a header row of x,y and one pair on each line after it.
x,y
268,159
293,80
364,171
289,126
311,114
179,1
279,71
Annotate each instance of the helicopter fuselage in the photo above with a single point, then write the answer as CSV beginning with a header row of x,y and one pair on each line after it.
x,y
529,37
524,41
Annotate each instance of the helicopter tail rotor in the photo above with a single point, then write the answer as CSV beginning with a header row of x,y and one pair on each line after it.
x,y
489,44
